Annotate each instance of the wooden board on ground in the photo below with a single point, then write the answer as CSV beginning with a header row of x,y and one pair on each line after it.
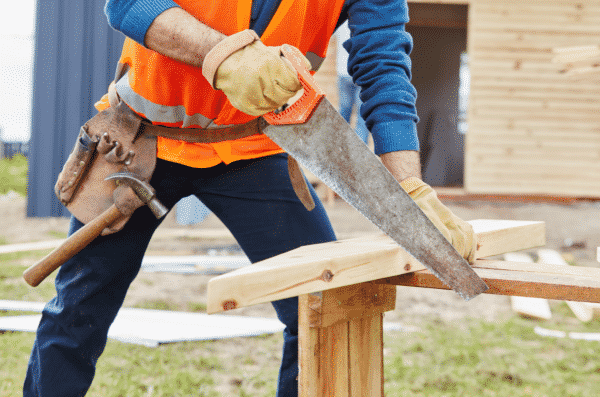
x,y
326,266
525,306
582,310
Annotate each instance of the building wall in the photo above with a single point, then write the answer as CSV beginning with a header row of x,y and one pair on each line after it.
x,y
531,129
76,53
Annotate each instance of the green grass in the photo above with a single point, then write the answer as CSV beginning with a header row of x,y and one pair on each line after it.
x,y
57,234
13,257
196,307
13,175
13,287
157,304
476,358
491,359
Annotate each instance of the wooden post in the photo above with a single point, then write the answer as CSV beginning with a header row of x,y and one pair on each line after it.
x,y
341,341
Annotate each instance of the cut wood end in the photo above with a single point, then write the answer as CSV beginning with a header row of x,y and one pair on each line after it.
x,y
229,305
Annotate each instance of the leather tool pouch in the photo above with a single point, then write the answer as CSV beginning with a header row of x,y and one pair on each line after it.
x,y
110,142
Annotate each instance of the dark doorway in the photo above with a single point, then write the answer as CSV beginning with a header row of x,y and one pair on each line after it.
x,y
440,38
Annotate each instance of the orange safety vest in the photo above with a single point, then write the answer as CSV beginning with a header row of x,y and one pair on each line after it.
x,y
171,93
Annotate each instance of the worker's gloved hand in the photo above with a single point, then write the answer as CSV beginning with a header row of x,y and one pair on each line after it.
x,y
457,231
254,77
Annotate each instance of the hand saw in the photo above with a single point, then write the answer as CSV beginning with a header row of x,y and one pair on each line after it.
x,y
314,133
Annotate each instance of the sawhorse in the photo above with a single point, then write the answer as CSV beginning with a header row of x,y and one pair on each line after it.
x,y
345,287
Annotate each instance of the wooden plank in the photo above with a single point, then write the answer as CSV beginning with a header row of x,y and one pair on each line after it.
x,y
493,80
334,377
344,357
539,176
516,154
522,132
515,158
529,184
446,194
508,186
309,358
326,266
507,236
582,310
354,301
508,93
526,306
366,356
581,284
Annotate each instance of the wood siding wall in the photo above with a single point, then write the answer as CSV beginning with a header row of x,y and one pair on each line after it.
x,y
531,129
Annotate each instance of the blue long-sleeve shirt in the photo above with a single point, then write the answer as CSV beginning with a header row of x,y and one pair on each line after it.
x,y
379,62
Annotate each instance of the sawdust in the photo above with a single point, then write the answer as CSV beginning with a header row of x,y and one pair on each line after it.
x,y
576,225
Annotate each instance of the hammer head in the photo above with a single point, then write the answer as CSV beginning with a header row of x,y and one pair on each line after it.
x,y
143,190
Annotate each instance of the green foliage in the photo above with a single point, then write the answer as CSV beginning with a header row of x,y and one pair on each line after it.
x,y
13,175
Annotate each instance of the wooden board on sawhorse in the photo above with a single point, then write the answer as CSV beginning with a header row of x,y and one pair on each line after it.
x,y
345,287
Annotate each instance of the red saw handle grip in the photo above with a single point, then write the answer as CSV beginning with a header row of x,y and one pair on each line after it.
x,y
301,110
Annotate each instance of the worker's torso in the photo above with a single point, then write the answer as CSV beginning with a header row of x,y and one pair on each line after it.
x,y
174,94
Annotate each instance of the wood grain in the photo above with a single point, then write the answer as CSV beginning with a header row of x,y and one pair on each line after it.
x,y
535,280
332,265
517,75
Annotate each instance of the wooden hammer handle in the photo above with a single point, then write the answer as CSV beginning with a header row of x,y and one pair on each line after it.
x,y
72,245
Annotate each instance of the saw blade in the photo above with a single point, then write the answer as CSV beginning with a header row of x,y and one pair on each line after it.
x,y
328,147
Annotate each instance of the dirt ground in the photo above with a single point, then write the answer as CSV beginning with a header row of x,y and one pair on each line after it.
x,y
573,229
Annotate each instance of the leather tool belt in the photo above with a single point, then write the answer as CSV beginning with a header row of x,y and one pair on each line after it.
x,y
117,140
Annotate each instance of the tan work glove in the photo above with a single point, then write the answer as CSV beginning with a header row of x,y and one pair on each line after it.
x,y
457,231
254,77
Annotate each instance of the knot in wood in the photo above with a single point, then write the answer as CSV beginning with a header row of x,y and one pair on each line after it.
x,y
327,275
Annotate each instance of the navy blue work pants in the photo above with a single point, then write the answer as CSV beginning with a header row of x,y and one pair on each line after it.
x,y
253,198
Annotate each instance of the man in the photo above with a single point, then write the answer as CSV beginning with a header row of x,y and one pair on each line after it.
x,y
193,66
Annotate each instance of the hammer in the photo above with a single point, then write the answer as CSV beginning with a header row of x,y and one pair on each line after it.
x,y
82,237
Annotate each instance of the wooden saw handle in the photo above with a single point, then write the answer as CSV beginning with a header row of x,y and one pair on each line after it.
x,y
72,245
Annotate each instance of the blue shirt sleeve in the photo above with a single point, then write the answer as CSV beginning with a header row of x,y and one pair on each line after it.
x,y
379,62
133,17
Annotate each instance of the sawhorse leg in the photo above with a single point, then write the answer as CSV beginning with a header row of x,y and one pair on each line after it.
x,y
341,341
